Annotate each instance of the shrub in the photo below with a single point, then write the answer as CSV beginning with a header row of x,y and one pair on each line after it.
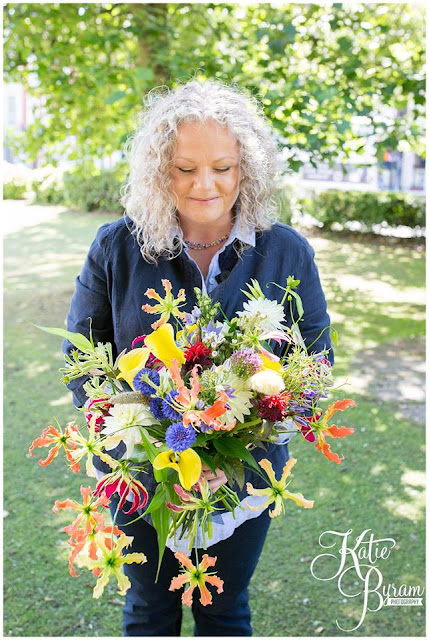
x,y
14,190
48,186
90,189
367,207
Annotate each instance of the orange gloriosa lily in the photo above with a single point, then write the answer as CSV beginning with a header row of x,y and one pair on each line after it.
x,y
54,436
82,540
166,306
197,577
89,517
188,399
322,429
110,561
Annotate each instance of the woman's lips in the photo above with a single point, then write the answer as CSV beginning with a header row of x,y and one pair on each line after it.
x,y
205,200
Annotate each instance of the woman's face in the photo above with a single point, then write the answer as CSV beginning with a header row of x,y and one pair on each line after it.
x,y
205,174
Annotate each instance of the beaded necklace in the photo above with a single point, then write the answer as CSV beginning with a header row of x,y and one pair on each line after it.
x,y
202,245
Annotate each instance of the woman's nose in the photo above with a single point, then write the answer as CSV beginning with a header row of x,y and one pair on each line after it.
x,y
204,179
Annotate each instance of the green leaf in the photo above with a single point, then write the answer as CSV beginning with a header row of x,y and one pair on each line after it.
x,y
152,451
235,471
205,458
233,448
161,522
117,95
334,336
79,340
157,501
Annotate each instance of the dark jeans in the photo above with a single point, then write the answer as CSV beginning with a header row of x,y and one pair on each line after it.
x,y
152,610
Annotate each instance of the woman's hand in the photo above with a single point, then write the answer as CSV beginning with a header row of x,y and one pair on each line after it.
x,y
215,479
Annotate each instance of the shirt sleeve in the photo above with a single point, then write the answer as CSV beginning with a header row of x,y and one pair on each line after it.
x,y
316,321
91,300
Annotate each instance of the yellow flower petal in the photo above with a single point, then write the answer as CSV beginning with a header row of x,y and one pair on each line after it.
x,y
131,363
299,499
268,468
270,364
162,345
286,470
188,466
101,583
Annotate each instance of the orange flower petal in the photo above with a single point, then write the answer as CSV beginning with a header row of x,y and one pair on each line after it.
x,y
216,582
51,455
329,455
184,559
339,405
178,581
187,596
206,562
206,596
339,432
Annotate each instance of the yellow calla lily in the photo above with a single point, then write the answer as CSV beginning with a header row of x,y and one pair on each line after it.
x,y
185,332
131,363
188,466
162,345
270,364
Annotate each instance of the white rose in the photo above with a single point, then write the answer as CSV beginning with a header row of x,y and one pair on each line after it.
x,y
268,382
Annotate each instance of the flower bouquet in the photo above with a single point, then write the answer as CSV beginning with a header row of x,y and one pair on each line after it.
x,y
196,394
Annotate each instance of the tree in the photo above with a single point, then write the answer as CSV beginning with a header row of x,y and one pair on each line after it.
x,y
314,68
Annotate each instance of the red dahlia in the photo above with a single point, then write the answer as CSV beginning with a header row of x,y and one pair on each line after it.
x,y
198,353
273,407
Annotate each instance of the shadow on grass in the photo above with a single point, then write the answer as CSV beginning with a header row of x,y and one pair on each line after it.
x,y
379,485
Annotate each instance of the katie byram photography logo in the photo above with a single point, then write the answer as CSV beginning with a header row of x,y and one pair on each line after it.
x,y
357,563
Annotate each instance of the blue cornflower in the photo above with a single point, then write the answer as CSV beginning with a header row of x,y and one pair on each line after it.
x,y
178,437
167,407
141,384
155,405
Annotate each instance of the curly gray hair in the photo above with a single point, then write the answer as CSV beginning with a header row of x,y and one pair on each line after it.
x,y
146,195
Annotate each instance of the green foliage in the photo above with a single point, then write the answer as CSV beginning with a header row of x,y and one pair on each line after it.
x,y
48,187
86,188
14,189
90,189
312,67
370,208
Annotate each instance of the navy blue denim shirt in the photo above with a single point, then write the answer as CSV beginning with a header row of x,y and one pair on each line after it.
x,y
110,290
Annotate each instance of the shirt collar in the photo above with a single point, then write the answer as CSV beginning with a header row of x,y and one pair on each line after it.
x,y
240,231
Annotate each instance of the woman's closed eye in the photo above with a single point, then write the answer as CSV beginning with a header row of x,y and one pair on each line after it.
x,y
191,170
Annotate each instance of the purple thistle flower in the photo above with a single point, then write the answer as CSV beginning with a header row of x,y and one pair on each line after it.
x,y
167,406
140,383
178,437
245,362
155,405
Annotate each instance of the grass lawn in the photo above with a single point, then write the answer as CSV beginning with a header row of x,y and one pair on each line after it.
x,y
375,296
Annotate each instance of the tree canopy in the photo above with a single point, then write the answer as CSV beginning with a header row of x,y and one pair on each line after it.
x,y
312,67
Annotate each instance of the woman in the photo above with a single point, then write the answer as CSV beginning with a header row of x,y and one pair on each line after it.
x,y
200,213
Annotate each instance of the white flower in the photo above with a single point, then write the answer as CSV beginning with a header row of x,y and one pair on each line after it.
x,y
240,404
270,311
268,382
123,424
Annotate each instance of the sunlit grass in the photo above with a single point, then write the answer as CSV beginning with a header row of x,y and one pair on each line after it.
x,y
375,296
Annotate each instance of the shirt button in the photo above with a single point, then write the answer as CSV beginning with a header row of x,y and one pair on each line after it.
x,y
212,280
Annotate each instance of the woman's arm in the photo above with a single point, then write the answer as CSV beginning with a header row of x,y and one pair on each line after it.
x,y
315,324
